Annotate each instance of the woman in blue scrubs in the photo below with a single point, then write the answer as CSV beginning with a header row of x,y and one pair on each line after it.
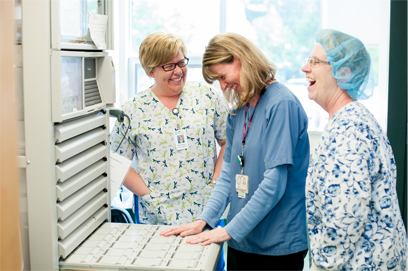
x,y
265,163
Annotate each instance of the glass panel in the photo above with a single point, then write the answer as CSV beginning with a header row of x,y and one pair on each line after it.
x,y
71,84
91,7
74,19
194,21
72,16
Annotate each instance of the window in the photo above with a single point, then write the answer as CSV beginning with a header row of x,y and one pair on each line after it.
x,y
282,29
196,22
353,17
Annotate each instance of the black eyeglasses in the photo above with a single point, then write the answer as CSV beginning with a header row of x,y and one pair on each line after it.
x,y
171,66
312,61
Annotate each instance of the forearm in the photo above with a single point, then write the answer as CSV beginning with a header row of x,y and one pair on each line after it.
x,y
220,160
268,194
134,183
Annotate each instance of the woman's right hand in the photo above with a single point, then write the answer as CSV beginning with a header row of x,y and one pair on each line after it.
x,y
187,229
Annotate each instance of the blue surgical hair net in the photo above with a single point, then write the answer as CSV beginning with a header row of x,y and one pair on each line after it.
x,y
345,51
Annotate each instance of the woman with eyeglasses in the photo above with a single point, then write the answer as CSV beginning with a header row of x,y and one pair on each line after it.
x,y
265,163
354,219
172,178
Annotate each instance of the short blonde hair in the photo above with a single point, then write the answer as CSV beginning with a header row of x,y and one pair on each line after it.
x,y
159,48
256,70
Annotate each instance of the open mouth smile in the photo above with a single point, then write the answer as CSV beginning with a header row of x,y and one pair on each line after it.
x,y
310,81
176,80
233,87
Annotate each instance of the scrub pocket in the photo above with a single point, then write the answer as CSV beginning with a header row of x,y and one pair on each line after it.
x,y
151,209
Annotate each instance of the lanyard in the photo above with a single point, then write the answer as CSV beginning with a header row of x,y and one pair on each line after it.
x,y
245,132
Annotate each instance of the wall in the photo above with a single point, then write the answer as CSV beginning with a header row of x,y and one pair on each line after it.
x,y
397,109
10,248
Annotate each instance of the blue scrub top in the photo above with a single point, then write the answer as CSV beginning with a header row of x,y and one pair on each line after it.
x,y
277,136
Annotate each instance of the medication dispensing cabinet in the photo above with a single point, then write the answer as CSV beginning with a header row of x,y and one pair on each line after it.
x,y
67,85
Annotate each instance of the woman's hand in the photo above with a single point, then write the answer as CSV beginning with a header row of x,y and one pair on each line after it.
x,y
187,229
209,237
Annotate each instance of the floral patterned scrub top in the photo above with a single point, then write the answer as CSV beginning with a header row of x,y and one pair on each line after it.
x,y
177,178
354,219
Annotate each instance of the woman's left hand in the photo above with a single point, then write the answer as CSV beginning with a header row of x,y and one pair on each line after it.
x,y
209,237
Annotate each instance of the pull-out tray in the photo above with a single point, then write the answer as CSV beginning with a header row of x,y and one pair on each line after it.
x,y
116,246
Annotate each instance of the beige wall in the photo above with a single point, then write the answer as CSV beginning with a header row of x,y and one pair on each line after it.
x,y
10,245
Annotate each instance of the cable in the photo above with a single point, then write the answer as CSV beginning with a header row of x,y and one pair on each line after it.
x,y
124,136
119,114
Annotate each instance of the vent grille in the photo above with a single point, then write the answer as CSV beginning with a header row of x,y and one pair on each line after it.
x,y
92,95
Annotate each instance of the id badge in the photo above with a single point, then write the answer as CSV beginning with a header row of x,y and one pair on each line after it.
x,y
180,138
241,183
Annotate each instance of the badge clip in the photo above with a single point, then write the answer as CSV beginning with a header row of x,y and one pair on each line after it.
x,y
241,160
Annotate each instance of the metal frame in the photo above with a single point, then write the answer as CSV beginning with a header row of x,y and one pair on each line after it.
x,y
39,131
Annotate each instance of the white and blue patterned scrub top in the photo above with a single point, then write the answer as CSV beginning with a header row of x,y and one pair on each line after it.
x,y
177,178
354,220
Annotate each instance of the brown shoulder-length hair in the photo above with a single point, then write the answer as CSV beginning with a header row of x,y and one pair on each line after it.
x,y
256,69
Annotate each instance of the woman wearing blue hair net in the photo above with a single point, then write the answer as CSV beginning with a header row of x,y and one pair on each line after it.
x,y
354,220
